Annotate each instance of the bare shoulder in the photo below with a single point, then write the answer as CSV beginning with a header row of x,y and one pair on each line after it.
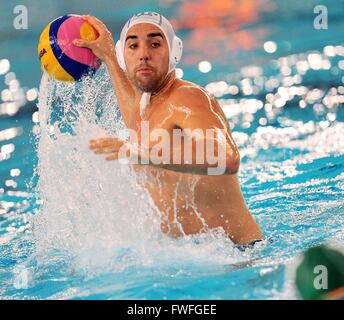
x,y
189,93
194,97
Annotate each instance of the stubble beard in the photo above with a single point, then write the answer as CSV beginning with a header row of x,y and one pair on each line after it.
x,y
148,86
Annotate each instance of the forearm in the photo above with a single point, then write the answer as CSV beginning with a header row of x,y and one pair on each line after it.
x,y
123,89
144,156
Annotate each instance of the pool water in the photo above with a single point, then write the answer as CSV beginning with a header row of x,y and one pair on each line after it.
x,y
73,226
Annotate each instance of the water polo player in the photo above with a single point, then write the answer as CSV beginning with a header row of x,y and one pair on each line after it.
x,y
151,97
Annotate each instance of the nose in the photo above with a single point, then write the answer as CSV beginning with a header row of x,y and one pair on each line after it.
x,y
144,53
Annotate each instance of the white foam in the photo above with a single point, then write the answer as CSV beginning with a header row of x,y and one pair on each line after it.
x,y
95,210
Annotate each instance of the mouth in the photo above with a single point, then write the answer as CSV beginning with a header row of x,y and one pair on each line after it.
x,y
144,70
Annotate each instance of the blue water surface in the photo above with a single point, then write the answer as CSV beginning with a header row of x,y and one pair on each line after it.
x,y
285,110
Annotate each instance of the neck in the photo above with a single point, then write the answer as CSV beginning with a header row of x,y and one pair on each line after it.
x,y
163,87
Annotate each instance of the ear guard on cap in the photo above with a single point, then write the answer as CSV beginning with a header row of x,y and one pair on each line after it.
x,y
175,54
119,55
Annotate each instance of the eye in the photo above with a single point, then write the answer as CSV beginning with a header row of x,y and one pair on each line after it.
x,y
132,46
156,44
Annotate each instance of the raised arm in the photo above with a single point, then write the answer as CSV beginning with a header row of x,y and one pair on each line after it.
x,y
104,48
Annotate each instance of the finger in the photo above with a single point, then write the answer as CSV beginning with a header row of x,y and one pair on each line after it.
x,y
113,156
83,43
97,144
105,150
96,24
95,141
110,139
102,144
105,142
102,139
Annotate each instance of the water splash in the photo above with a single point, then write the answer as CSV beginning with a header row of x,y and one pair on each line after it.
x,y
96,211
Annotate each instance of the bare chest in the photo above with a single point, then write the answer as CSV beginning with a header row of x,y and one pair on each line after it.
x,y
157,117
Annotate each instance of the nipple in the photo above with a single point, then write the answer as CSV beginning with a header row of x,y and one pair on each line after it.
x,y
144,102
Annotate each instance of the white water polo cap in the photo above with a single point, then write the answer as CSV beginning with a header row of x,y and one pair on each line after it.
x,y
175,44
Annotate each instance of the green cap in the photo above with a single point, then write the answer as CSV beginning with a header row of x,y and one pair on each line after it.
x,y
321,271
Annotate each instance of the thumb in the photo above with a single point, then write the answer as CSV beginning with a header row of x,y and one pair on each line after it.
x,y
82,43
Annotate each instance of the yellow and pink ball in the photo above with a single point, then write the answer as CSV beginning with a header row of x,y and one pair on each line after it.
x,y
59,57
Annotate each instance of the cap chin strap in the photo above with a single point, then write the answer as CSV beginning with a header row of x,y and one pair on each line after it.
x,y
144,102
145,98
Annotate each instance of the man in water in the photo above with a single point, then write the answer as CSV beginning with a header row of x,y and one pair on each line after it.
x,y
142,70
